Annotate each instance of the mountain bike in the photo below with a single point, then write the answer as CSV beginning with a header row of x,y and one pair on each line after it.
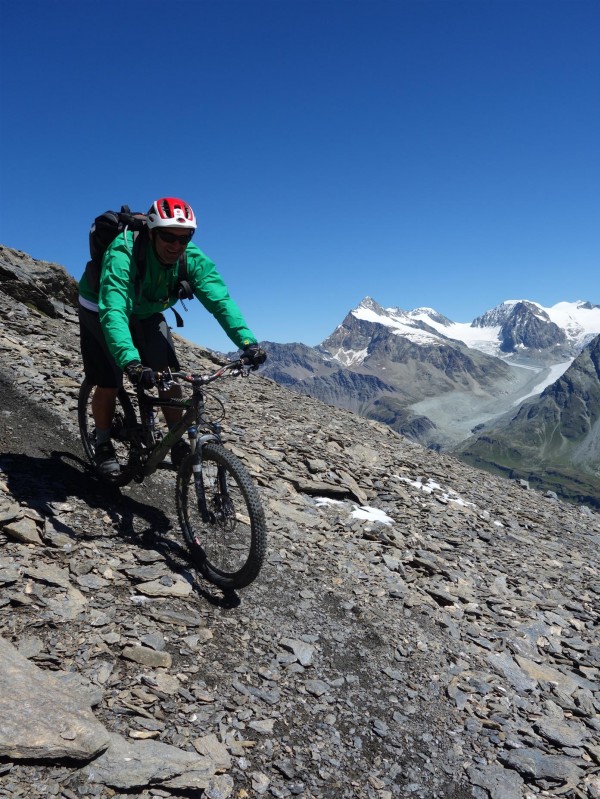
x,y
218,505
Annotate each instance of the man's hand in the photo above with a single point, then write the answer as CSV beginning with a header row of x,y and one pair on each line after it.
x,y
140,375
255,355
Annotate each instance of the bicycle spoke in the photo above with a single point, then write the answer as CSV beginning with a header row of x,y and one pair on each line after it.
x,y
228,546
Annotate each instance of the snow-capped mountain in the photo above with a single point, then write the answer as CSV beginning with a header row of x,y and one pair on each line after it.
x,y
580,321
431,378
516,327
414,326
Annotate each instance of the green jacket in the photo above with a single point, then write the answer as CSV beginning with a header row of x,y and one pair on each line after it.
x,y
120,297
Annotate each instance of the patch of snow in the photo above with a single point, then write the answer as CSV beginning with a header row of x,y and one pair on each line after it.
x,y
359,512
485,339
416,335
350,357
371,514
430,486
321,501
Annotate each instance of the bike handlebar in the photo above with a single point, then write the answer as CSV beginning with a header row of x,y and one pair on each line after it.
x,y
240,367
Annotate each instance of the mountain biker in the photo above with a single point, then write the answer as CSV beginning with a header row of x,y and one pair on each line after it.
x,y
122,327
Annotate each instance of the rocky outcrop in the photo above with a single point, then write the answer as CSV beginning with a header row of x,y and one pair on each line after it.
x,y
419,628
415,427
45,286
45,714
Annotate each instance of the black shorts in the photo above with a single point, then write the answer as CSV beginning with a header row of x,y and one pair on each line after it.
x,y
151,337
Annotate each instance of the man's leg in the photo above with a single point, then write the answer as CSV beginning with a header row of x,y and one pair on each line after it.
x,y
102,372
172,415
103,409
153,339
104,403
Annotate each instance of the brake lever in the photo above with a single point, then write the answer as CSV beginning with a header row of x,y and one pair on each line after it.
x,y
242,369
166,380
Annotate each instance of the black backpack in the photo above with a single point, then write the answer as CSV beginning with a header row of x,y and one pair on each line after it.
x,y
106,227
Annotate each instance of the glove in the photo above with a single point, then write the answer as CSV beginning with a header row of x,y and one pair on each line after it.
x,y
255,355
140,375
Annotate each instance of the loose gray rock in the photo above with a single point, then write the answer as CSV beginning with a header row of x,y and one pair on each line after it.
x,y
500,783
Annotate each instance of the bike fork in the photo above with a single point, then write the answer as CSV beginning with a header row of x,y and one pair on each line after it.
x,y
196,447
199,487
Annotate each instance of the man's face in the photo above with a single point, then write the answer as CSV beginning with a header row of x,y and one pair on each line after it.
x,y
170,242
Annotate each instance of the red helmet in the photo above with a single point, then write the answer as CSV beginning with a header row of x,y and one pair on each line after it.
x,y
171,212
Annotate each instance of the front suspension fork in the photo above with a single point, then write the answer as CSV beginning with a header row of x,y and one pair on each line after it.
x,y
196,443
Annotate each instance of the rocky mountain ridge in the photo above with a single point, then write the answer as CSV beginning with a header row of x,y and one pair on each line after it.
x,y
420,629
527,325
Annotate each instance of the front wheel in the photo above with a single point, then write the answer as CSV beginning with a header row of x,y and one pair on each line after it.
x,y
226,531
124,421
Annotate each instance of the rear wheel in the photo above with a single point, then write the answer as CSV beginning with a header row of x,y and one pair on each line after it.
x,y
124,421
229,542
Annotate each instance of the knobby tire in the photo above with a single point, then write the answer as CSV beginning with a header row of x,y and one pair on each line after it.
x,y
229,549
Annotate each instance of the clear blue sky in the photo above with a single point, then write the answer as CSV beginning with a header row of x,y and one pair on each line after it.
x,y
422,152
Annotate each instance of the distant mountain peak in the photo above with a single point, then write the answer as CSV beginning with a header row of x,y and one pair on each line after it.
x,y
370,304
502,313
424,310
414,328
527,324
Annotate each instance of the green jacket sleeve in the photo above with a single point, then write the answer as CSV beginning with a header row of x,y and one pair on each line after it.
x,y
116,299
210,289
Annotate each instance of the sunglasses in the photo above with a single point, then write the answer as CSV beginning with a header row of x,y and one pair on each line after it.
x,y
172,238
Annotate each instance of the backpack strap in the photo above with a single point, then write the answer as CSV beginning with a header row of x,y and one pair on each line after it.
x,y
140,245
183,288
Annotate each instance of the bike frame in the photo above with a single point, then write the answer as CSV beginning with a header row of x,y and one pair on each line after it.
x,y
192,418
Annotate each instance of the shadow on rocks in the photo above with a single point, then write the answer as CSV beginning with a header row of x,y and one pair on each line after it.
x,y
46,483
178,559
49,485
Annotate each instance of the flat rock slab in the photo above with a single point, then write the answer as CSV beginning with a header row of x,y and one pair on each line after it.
x,y
41,716
500,783
534,763
127,764
172,586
